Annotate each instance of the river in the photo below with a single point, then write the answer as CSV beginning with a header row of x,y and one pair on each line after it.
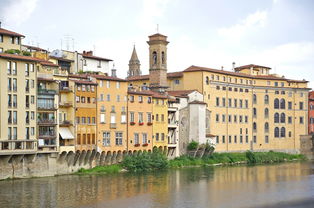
x,y
277,185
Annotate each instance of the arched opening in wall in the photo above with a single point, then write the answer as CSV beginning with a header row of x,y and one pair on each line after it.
x,y
276,103
154,56
282,103
276,133
266,113
283,132
266,99
282,118
266,127
276,118
163,58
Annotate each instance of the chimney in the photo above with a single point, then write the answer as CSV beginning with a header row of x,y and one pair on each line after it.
x,y
113,71
222,68
233,66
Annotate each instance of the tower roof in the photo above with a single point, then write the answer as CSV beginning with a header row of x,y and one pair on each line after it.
x,y
134,55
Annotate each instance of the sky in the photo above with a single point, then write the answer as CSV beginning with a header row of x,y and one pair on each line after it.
x,y
212,33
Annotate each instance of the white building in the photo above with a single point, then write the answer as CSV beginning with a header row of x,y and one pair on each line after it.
x,y
88,62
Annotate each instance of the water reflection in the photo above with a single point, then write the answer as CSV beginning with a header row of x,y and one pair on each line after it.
x,y
238,186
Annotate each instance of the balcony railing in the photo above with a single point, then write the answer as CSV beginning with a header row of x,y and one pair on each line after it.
x,y
65,89
45,91
46,121
46,106
47,134
65,104
65,123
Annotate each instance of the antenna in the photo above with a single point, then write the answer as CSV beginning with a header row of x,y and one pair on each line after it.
x,y
157,29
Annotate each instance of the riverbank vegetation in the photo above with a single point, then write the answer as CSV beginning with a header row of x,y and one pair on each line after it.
x,y
158,161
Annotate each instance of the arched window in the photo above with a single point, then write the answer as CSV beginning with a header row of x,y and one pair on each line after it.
x,y
276,118
254,99
163,57
207,80
276,103
282,103
154,57
254,112
254,127
282,118
276,132
266,126
266,99
283,132
266,113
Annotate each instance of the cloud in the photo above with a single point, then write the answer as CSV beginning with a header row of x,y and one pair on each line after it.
x,y
252,21
150,12
18,11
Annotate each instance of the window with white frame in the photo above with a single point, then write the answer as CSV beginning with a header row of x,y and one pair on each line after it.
x,y
144,136
102,118
119,137
136,138
106,139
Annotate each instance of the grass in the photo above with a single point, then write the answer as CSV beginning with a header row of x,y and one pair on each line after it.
x,y
235,158
109,169
158,161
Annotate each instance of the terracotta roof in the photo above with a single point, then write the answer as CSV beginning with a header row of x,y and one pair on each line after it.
x,y
95,57
180,93
84,76
146,77
8,32
84,82
158,95
249,66
104,77
239,74
35,48
157,34
48,63
19,57
148,93
198,102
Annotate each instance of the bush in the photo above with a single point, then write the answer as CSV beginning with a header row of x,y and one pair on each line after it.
x,y
101,169
26,53
145,162
192,145
13,51
250,157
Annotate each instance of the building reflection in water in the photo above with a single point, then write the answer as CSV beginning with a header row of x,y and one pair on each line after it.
x,y
233,186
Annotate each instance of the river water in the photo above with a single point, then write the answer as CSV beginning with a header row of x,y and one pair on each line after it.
x,y
280,185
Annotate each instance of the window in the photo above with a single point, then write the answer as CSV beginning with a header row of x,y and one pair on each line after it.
x,y
241,103
289,105
140,118
229,119
88,99
9,71
282,118
123,118
132,98
290,120
82,99
301,105
149,117
27,117
254,127
246,119
217,139
266,99
108,97
136,138
283,132
162,136
106,139
235,139
266,139
254,99
224,102
235,103
301,120
229,139
108,84
235,118
266,113
1,38
32,99
176,81
119,138
102,118
149,99
140,99
9,100
254,139
223,139
241,139
157,118
162,117
14,101
131,116
144,138
246,139
276,84
276,118
157,136
77,99
207,80
14,84
276,103
254,112
217,101
32,115
223,118
9,117
118,98
246,104
230,102
282,104
276,132
266,127
113,118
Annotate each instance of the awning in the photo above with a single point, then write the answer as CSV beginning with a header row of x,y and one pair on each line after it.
x,y
65,133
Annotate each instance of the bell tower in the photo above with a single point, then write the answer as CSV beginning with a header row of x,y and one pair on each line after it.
x,y
158,62
134,65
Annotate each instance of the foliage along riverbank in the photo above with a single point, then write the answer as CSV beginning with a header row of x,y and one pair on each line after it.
x,y
158,161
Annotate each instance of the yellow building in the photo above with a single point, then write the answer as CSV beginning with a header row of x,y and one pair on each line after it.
x,y
10,40
140,109
18,104
111,114
85,113
160,121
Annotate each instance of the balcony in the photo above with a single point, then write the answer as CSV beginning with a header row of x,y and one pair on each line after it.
x,y
172,123
172,109
65,104
46,92
47,134
46,106
47,145
65,123
9,147
46,122
65,89
172,142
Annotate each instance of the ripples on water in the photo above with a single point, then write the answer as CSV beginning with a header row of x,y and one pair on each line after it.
x,y
283,185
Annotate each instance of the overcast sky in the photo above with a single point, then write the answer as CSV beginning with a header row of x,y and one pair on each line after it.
x,y
274,33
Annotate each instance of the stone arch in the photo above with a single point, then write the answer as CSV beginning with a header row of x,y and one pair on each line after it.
x,y
108,158
82,157
102,158
87,157
119,156
130,153
93,156
114,157
149,151
76,157
70,158
62,156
